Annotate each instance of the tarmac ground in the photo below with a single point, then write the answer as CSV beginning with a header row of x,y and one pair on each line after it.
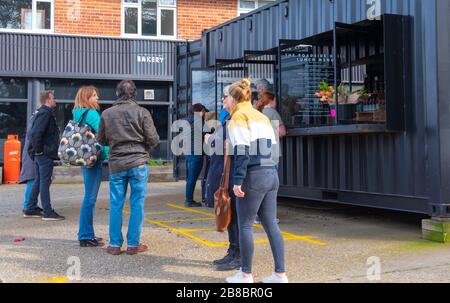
x,y
323,243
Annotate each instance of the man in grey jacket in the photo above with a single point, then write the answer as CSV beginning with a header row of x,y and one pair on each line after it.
x,y
129,131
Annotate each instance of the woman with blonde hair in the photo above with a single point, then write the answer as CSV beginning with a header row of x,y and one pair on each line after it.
x,y
87,109
255,181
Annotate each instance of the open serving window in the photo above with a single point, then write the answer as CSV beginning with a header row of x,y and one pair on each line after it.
x,y
228,71
203,88
261,69
363,87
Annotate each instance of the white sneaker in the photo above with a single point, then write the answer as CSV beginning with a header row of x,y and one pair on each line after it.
x,y
240,278
274,278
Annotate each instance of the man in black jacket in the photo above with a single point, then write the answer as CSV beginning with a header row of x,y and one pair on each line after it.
x,y
43,149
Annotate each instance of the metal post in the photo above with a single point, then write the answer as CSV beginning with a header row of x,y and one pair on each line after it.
x,y
336,119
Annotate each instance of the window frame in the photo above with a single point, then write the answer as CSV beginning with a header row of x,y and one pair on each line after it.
x,y
243,11
139,35
34,28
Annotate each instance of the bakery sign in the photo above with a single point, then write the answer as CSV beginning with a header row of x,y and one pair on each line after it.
x,y
149,59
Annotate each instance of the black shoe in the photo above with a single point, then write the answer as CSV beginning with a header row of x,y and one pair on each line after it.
x,y
97,242
192,204
37,213
226,259
232,265
53,217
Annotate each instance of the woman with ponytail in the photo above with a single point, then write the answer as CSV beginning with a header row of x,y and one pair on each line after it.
x,y
255,181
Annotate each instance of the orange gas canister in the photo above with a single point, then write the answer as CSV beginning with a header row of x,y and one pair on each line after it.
x,y
11,169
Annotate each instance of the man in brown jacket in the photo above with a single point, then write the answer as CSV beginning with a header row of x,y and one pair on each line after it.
x,y
129,131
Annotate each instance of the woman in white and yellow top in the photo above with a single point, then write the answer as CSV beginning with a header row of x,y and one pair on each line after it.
x,y
255,181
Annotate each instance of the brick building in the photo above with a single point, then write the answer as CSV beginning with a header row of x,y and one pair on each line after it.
x,y
164,19
63,44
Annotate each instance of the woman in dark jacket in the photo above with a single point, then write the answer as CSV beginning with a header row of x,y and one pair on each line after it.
x,y
232,260
27,173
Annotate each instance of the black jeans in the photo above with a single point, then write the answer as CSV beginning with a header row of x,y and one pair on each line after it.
x,y
44,171
233,228
261,189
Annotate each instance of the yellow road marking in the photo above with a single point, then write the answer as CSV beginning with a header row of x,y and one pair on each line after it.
x,y
195,211
165,212
187,220
189,232
56,280
195,230
302,238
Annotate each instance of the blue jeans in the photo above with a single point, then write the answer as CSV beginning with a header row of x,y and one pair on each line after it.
x,y
261,189
194,168
118,182
27,193
92,179
44,171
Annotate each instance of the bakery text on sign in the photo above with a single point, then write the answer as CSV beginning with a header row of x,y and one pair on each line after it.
x,y
150,59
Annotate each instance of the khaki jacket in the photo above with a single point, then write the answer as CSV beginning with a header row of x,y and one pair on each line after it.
x,y
129,131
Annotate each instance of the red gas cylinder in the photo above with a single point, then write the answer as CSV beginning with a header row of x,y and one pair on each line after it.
x,y
11,169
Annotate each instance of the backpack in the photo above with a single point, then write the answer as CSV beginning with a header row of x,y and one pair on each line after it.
x,y
78,145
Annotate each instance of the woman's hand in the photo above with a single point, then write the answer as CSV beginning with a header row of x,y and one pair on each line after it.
x,y
237,189
207,136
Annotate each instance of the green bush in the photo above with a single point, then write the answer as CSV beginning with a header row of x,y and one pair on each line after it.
x,y
159,162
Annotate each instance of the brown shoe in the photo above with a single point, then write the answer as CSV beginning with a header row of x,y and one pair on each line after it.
x,y
137,250
115,251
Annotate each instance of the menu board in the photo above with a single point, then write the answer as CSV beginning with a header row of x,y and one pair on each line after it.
x,y
303,68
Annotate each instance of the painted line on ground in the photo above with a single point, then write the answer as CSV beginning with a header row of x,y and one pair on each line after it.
x,y
190,210
55,280
189,232
187,220
165,212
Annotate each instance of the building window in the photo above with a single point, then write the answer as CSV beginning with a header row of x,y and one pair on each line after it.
x,y
149,18
246,6
27,15
13,107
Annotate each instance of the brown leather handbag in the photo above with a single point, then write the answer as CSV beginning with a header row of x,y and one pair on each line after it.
x,y
222,200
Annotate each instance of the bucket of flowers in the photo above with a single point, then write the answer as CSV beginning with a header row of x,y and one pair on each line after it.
x,y
326,95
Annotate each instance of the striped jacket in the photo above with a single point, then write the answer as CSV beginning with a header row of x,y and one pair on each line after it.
x,y
252,137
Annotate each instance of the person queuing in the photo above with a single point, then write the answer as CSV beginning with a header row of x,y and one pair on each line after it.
x,y
232,259
43,150
27,172
267,104
255,182
87,100
195,159
129,131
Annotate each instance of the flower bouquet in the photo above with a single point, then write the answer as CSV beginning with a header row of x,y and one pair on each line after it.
x,y
326,93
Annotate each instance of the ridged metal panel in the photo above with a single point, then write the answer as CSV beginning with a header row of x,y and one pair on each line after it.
x,y
84,57
188,57
402,164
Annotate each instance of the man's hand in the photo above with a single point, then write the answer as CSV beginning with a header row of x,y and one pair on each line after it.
x,y
237,189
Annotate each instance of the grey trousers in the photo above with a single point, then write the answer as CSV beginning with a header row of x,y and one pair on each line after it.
x,y
261,189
